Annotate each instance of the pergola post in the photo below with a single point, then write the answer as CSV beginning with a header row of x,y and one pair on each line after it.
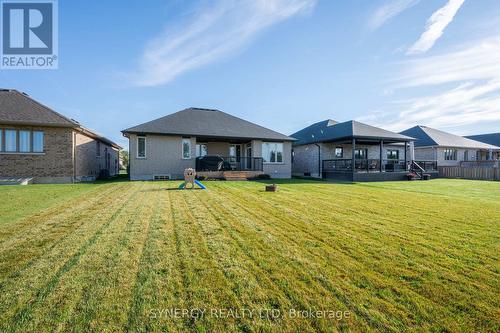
x,y
353,156
381,149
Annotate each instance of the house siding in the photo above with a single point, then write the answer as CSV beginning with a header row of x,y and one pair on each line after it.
x,y
55,165
163,157
275,170
437,154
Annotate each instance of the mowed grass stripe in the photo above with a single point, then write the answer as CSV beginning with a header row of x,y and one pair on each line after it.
x,y
39,280
259,286
159,283
234,195
95,290
36,243
204,284
281,248
273,268
12,232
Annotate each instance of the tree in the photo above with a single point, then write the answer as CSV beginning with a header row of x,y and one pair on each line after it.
x,y
124,158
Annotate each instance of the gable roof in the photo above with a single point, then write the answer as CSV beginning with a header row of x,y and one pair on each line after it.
x,y
330,130
17,108
492,138
206,123
432,137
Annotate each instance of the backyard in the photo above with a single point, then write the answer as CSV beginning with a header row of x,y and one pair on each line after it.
x,y
314,256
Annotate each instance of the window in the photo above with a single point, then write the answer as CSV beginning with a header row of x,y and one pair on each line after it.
x,y
339,152
466,155
392,154
98,148
272,152
38,142
24,141
186,148
450,154
10,140
141,147
360,154
201,150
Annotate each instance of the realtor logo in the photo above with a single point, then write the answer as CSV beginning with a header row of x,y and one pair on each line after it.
x,y
29,34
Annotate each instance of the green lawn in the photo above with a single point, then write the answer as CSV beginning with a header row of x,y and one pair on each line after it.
x,y
414,256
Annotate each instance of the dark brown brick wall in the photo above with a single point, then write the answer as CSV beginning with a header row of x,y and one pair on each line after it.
x,y
56,162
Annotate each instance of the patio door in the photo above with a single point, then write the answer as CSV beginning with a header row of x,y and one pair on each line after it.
x,y
235,156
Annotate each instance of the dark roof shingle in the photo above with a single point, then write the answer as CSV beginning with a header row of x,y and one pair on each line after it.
x,y
17,108
206,123
492,138
20,109
330,130
427,136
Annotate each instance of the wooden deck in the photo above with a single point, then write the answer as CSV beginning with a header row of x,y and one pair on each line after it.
x,y
229,175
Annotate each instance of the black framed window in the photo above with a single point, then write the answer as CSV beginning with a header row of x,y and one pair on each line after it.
x,y
393,154
450,154
339,152
361,154
141,147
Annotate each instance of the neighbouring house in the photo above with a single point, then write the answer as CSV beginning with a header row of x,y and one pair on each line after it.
x,y
491,139
352,151
216,144
40,144
446,148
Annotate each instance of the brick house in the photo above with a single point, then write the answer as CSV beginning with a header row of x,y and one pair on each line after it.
x,y
37,142
449,149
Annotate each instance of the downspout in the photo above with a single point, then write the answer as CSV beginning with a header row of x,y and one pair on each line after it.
x,y
74,155
319,160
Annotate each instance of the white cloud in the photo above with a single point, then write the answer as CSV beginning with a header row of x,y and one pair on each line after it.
x,y
457,89
388,11
435,26
211,33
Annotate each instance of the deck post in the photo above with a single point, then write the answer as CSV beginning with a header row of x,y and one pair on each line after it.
x,y
406,160
353,157
381,149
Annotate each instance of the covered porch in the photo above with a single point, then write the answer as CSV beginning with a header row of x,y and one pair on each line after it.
x,y
227,158
373,159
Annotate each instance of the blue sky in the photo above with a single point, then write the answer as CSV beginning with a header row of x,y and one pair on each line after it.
x,y
282,64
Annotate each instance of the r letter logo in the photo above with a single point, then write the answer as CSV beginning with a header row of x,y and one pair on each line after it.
x,y
29,34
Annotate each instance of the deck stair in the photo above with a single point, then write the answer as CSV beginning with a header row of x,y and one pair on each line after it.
x,y
235,175
417,172
15,181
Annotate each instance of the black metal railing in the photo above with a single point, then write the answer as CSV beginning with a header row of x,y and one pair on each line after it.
x,y
229,163
427,165
374,165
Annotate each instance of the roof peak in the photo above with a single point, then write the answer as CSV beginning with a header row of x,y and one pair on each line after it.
x,y
200,109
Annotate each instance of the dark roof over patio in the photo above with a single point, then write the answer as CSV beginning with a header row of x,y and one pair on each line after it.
x,y
427,137
492,138
207,123
18,108
330,130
